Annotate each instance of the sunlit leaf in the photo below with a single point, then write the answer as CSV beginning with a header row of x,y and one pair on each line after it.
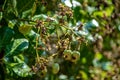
x,y
21,69
17,46
98,56
109,10
83,75
92,24
25,29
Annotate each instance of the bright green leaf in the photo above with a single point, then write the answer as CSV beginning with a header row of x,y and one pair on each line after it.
x,y
21,69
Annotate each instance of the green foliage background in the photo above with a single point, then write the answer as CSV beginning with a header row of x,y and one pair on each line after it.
x,y
33,31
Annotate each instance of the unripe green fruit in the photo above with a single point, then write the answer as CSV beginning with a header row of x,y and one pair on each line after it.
x,y
75,56
55,68
67,54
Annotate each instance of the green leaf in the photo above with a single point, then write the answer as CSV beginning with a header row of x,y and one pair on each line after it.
x,y
10,7
6,35
12,23
84,75
17,46
109,10
32,35
1,15
24,5
34,8
18,60
21,69
26,13
25,29
18,66
98,56
14,4
98,13
39,17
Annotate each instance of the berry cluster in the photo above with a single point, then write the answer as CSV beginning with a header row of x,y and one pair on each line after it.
x,y
72,56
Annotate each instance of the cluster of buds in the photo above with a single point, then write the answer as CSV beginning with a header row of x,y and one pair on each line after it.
x,y
39,23
40,67
42,64
72,56
64,43
64,10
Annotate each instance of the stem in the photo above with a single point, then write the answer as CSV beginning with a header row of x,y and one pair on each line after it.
x,y
69,45
57,35
4,4
37,45
70,29
25,20
57,32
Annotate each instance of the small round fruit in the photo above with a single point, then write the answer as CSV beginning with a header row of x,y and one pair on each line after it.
x,y
55,68
67,54
75,56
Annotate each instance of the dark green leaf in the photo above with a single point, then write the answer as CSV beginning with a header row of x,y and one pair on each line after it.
x,y
24,5
17,46
6,35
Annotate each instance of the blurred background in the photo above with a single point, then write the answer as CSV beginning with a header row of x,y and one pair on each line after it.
x,y
96,22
